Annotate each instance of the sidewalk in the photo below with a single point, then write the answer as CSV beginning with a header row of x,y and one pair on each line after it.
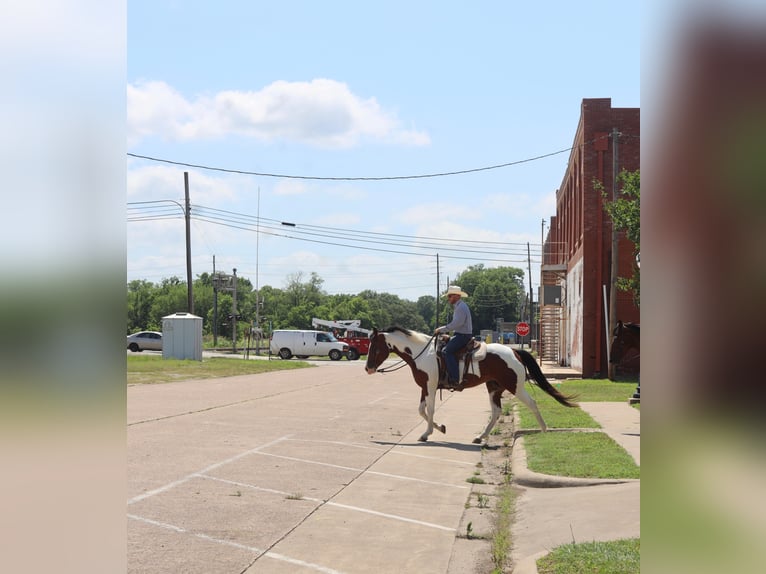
x,y
552,511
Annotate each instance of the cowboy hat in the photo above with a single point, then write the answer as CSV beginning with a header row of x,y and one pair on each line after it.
x,y
455,290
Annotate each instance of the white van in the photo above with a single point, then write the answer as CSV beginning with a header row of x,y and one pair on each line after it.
x,y
304,344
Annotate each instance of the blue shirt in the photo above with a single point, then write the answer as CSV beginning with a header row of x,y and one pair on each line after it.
x,y
461,320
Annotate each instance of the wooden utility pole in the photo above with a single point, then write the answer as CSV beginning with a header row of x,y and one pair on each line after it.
x,y
187,214
234,315
215,306
531,306
436,316
615,252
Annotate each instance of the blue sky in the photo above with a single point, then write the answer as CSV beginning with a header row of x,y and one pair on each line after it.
x,y
360,90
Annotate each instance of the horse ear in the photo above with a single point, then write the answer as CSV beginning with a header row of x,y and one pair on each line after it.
x,y
374,332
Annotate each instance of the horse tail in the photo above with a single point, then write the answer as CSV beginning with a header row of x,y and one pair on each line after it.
x,y
539,378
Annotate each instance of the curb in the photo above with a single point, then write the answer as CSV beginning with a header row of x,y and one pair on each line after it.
x,y
525,477
522,476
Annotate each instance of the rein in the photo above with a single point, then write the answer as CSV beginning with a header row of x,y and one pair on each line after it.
x,y
397,366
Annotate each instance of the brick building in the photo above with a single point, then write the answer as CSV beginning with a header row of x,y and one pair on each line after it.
x,y
578,248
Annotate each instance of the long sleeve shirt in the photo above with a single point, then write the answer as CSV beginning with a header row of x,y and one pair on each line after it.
x,y
461,320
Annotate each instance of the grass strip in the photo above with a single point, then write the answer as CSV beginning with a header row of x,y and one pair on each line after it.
x,y
586,390
578,454
613,557
153,369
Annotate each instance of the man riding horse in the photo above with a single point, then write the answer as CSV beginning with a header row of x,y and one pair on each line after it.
x,y
462,326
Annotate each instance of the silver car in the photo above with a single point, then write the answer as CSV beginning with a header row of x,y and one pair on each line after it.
x,y
145,340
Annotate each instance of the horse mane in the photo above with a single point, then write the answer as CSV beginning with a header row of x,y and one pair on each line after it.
x,y
407,333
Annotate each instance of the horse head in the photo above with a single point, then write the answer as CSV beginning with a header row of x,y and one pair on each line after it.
x,y
377,353
624,337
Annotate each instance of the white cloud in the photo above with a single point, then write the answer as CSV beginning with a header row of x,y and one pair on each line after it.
x,y
323,113
341,220
156,182
426,213
290,187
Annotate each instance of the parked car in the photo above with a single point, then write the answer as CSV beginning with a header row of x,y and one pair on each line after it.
x,y
145,340
302,344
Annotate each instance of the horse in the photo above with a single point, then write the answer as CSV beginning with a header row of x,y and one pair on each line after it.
x,y
625,337
502,369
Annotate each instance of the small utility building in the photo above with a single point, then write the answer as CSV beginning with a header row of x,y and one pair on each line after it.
x,y
182,336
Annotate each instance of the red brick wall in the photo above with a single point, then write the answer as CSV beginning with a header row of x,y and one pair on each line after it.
x,y
581,222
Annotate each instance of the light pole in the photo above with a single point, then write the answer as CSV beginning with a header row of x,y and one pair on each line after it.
x,y
636,398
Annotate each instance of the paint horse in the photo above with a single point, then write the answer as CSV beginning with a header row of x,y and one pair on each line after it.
x,y
625,337
502,369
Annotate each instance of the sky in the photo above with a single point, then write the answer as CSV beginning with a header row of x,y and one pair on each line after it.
x,y
341,119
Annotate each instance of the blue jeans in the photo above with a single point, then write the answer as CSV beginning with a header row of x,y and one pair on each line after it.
x,y
457,342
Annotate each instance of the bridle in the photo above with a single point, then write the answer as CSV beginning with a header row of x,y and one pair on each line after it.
x,y
401,364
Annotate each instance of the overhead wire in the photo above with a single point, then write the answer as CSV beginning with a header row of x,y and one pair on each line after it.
x,y
346,178
319,234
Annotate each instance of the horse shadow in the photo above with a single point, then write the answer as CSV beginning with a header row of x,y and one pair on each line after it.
x,y
458,446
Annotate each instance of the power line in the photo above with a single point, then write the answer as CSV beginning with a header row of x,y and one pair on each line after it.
x,y
305,231
383,178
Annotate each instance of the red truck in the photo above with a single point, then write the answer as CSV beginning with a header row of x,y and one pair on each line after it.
x,y
349,332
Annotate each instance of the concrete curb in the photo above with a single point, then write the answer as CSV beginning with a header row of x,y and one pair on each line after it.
x,y
522,476
525,477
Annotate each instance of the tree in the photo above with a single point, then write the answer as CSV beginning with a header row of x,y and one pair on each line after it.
x,y
140,300
625,213
492,294
426,307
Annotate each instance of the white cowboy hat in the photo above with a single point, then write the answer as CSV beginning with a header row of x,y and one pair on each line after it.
x,y
455,290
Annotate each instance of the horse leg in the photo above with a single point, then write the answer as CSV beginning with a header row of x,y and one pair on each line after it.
x,y
523,396
494,403
427,410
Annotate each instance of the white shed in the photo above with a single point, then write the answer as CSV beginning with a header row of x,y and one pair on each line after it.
x,y
182,336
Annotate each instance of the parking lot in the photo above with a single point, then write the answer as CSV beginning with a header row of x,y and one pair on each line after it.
x,y
310,470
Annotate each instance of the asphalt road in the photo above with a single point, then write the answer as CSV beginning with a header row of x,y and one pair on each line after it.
x,y
309,470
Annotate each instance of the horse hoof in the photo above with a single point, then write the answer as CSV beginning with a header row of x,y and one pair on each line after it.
x,y
477,440
423,439
442,429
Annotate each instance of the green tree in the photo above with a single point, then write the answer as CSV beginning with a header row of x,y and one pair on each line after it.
x,y
171,297
140,300
387,310
492,294
625,213
426,306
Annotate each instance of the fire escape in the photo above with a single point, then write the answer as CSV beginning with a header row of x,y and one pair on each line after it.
x,y
552,307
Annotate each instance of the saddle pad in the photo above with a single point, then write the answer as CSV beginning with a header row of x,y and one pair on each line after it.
x,y
480,351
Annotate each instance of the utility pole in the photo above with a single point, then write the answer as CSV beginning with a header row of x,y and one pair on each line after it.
x,y
436,316
257,249
531,306
187,213
234,316
215,306
615,253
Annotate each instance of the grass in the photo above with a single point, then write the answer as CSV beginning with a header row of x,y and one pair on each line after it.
x,y
501,536
595,390
152,369
587,390
579,454
597,455
614,557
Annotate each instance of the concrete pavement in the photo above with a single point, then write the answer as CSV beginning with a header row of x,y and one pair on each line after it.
x,y
320,470
552,511
309,470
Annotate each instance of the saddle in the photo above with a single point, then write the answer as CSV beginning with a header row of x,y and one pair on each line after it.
x,y
473,351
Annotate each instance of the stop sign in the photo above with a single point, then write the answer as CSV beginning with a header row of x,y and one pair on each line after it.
x,y
522,329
